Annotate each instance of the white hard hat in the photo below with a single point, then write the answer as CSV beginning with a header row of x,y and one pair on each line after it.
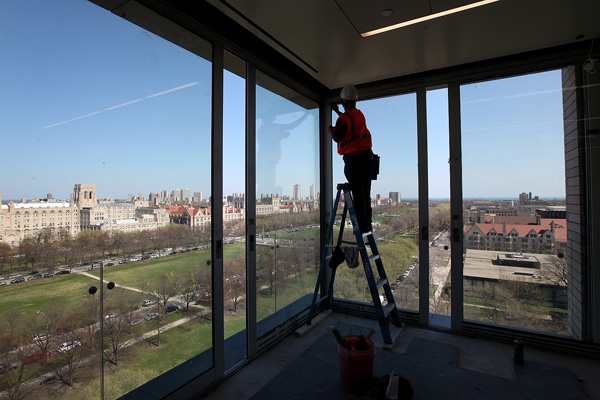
x,y
349,93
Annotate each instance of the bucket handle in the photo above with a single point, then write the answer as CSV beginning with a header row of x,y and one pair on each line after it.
x,y
358,327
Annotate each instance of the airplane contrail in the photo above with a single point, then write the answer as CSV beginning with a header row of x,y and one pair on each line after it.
x,y
123,104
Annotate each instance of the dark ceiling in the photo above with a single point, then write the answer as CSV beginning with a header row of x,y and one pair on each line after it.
x,y
324,36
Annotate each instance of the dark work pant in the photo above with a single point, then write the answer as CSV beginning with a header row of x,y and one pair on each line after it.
x,y
357,170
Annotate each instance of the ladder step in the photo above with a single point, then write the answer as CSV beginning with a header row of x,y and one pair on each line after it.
x,y
373,257
380,283
388,308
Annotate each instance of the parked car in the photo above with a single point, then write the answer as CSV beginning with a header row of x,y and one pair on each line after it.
x,y
148,303
146,257
48,274
95,265
68,346
40,338
2,283
110,264
151,316
171,308
17,280
137,321
34,277
123,261
62,272
35,357
7,367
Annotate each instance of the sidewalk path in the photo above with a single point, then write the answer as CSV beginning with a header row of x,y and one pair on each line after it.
x,y
105,281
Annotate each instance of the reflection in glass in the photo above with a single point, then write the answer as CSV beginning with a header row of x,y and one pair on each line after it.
x,y
392,122
515,232
287,204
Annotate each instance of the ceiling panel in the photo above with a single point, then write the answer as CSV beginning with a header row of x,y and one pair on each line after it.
x,y
322,36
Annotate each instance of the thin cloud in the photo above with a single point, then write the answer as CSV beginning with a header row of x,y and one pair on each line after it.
x,y
124,104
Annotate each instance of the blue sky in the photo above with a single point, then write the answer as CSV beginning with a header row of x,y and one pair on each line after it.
x,y
90,98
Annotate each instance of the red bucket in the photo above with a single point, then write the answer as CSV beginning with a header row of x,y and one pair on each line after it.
x,y
356,363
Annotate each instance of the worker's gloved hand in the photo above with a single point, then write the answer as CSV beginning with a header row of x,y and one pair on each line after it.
x,y
337,257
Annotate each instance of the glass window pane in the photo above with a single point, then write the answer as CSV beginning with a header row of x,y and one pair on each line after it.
x,y
105,131
439,206
392,122
515,272
287,204
234,249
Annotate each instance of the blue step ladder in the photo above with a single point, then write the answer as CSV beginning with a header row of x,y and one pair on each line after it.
x,y
375,285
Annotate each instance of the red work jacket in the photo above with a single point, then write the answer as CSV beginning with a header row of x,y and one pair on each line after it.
x,y
357,137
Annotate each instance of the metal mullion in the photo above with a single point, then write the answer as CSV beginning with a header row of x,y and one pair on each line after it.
x,y
456,212
326,184
251,319
217,212
423,200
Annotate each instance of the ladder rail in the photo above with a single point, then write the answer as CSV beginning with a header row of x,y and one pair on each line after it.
x,y
328,240
382,311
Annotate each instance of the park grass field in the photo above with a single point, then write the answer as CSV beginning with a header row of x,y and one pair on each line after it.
x,y
133,274
28,297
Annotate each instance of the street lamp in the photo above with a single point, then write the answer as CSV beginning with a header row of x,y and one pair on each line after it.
x,y
274,247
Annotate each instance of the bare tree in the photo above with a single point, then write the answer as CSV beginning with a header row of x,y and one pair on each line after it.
x,y
116,327
12,357
556,271
5,255
71,351
187,285
235,281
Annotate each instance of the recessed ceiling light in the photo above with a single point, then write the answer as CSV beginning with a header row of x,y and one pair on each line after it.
x,y
387,12
426,18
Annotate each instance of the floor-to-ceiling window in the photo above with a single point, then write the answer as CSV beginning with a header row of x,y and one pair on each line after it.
x,y
514,202
107,166
392,122
234,207
287,201
438,206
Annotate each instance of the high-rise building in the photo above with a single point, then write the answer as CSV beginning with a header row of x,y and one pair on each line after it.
x,y
197,197
297,192
185,194
395,197
176,195
313,191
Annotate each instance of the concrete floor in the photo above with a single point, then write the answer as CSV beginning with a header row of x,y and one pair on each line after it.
x,y
474,354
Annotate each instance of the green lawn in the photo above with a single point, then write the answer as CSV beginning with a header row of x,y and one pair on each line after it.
x,y
132,274
28,297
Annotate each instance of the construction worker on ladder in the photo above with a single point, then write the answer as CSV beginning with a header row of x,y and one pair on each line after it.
x,y
354,144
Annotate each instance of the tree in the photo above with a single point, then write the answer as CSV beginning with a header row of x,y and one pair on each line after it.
x,y
117,324
556,271
69,327
5,255
235,281
12,357
187,285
